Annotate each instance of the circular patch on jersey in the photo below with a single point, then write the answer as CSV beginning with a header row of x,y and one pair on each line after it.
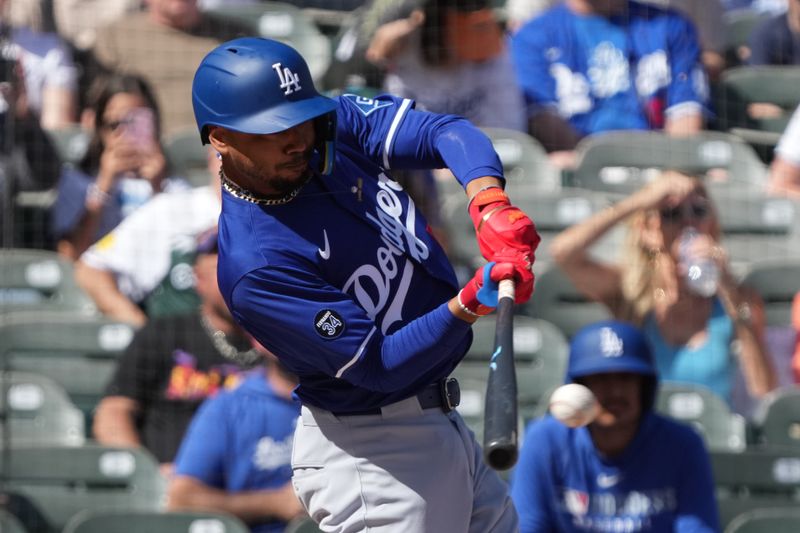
x,y
329,324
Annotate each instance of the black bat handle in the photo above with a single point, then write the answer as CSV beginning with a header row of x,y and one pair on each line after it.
x,y
500,414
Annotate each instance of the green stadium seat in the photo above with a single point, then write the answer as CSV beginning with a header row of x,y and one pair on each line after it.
x,y
70,142
557,301
621,162
540,355
10,524
755,478
772,520
187,156
126,521
303,525
39,280
78,352
741,86
38,412
706,412
61,481
777,419
777,282
286,23
525,162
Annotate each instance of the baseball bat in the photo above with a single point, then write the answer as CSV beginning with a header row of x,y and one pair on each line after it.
x,y
500,421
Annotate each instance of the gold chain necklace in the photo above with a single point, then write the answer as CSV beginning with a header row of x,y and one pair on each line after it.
x,y
251,197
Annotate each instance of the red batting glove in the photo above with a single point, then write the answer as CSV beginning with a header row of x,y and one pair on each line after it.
x,y
503,231
479,295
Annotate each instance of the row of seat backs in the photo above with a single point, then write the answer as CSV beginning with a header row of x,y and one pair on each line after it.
x,y
61,480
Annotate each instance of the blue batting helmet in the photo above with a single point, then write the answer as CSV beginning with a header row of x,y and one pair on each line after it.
x,y
612,346
260,86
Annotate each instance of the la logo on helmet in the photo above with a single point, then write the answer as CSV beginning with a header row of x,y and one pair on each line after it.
x,y
610,344
290,82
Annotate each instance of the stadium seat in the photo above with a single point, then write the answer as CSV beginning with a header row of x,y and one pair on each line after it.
x,y
777,283
706,412
9,523
126,521
742,86
303,525
540,354
39,280
286,23
777,418
621,162
70,142
525,162
739,24
771,520
38,412
77,352
557,301
187,157
61,481
755,478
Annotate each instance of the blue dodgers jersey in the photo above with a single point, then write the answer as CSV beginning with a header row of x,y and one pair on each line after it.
x,y
610,73
324,280
662,483
241,440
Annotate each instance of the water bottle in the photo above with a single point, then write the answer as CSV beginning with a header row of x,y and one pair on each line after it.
x,y
702,274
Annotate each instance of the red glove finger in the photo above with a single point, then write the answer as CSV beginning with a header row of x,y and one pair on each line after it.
x,y
500,227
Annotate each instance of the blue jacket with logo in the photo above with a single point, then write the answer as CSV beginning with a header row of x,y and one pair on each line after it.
x,y
345,284
611,73
662,482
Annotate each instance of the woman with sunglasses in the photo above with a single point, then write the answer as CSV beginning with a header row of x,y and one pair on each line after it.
x,y
692,336
124,165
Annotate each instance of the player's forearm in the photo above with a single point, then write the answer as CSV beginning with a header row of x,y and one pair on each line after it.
x,y
396,361
187,493
101,287
467,152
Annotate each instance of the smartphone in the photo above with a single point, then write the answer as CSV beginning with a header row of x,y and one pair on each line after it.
x,y
139,127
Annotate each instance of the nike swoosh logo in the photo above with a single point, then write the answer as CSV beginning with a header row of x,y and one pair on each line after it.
x,y
325,253
606,481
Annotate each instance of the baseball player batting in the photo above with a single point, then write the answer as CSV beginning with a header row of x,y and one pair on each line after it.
x,y
325,260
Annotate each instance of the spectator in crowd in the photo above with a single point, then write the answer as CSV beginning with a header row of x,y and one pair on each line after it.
x,y
621,472
776,41
124,167
78,20
164,44
450,56
28,159
140,268
49,74
588,66
171,366
784,171
692,335
236,456
756,6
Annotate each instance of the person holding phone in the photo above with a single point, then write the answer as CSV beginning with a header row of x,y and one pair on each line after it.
x,y
123,168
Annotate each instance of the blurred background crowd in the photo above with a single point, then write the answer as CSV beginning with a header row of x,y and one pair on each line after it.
x,y
656,144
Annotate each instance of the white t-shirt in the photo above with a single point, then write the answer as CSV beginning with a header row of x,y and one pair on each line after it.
x,y
138,251
485,93
789,146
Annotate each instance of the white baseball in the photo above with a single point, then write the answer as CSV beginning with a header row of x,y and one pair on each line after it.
x,y
573,405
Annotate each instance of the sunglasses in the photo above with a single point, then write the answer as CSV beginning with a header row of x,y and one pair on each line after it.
x,y
686,211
